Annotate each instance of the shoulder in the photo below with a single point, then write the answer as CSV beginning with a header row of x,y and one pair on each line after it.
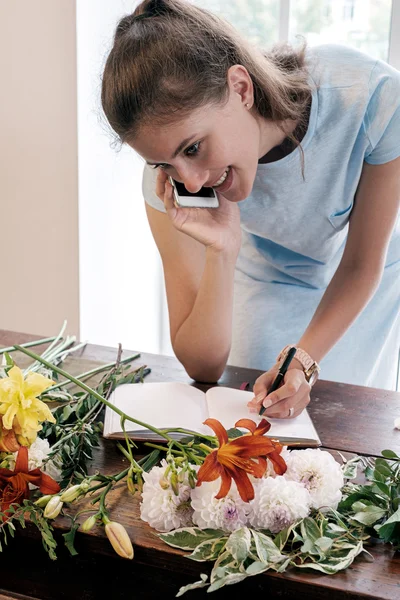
x,y
336,66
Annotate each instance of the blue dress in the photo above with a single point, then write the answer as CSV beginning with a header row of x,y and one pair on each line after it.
x,y
294,230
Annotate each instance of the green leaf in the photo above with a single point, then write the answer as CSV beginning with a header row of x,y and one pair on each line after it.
x,y
238,544
267,550
369,515
329,566
309,529
385,489
383,467
349,469
193,586
324,543
188,538
69,539
257,567
282,537
390,454
234,433
208,550
390,530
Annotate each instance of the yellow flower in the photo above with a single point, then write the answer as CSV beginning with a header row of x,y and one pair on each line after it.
x,y
19,405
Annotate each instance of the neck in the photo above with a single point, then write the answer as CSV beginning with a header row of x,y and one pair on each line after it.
x,y
272,134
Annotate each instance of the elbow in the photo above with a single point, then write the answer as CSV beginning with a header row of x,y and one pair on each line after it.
x,y
204,372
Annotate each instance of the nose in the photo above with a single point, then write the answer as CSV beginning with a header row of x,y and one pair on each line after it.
x,y
193,179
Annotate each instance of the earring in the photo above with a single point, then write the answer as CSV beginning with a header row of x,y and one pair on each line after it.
x,y
247,105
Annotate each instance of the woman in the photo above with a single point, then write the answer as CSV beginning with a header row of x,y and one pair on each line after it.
x,y
303,150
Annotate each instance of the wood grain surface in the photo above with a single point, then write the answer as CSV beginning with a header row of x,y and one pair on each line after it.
x,y
349,419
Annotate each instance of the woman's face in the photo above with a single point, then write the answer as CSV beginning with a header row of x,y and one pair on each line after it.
x,y
216,146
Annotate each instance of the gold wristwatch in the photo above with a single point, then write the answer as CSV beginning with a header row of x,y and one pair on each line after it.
x,y
310,367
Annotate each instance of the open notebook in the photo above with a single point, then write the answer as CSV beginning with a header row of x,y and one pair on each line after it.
x,y
164,405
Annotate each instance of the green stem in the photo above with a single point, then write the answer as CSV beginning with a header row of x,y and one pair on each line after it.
x,y
93,393
28,345
92,372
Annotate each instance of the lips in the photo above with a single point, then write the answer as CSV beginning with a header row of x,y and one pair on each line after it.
x,y
218,178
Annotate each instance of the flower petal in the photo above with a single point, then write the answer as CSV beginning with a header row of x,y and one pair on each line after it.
x,y
247,424
226,481
277,462
243,484
48,485
262,427
218,429
16,375
210,469
8,417
21,464
251,446
35,384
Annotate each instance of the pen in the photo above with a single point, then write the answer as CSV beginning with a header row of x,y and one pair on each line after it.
x,y
280,376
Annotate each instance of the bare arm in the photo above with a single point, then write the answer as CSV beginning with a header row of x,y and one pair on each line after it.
x,y
353,285
199,286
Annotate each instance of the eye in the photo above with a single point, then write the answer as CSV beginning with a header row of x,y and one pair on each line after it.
x,y
193,149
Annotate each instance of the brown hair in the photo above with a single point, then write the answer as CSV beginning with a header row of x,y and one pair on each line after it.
x,y
170,57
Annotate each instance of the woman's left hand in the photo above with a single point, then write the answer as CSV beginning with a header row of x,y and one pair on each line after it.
x,y
294,393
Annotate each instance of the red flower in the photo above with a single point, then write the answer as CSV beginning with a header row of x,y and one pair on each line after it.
x,y
236,458
14,485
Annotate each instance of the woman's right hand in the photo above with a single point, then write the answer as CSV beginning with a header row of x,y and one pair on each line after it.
x,y
216,228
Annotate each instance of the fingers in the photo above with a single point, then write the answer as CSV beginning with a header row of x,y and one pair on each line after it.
x,y
293,394
164,191
260,389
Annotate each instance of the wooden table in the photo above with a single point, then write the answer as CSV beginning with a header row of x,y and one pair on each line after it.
x,y
349,419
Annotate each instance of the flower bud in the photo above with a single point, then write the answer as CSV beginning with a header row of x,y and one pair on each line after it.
x,y
89,523
85,485
71,493
43,501
164,483
131,485
53,507
119,539
192,480
175,484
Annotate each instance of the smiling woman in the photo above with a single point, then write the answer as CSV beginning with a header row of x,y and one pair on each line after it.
x,y
302,149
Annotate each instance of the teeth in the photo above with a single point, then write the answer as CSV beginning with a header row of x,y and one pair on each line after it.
x,y
222,179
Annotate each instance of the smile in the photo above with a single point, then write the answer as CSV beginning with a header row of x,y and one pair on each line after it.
x,y
221,179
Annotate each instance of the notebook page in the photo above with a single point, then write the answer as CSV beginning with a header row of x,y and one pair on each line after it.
x,y
158,404
229,405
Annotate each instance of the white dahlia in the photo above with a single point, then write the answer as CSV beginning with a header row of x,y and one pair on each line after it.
x,y
318,471
37,454
161,508
278,503
228,513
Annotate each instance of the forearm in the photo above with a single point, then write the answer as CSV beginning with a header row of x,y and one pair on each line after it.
x,y
203,341
346,296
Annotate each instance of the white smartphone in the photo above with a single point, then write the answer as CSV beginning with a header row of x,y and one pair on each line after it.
x,y
206,197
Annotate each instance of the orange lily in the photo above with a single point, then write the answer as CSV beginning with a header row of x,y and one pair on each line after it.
x,y
8,440
237,458
14,485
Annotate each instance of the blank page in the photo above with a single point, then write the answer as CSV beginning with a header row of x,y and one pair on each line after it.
x,y
229,405
159,404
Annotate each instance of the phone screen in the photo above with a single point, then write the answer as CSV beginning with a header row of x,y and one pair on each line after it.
x,y
204,192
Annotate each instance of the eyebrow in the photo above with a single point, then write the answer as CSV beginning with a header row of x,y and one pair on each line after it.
x,y
179,148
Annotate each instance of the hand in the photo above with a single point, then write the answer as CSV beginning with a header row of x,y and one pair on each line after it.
x,y
293,393
217,228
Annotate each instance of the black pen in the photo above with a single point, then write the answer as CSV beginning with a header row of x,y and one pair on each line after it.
x,y
280,376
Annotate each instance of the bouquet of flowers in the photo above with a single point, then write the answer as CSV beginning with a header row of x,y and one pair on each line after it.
x,y
236,498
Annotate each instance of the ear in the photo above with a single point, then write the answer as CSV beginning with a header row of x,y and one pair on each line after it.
x,y
240,83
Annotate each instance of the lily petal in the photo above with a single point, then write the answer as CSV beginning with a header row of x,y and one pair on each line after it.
x,y
262,427
246,424
218,429
210,469
35,384
16,375
243,484
278,463
226,482
21,464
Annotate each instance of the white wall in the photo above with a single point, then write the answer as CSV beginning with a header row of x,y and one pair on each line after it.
x,y
121,296
38,167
